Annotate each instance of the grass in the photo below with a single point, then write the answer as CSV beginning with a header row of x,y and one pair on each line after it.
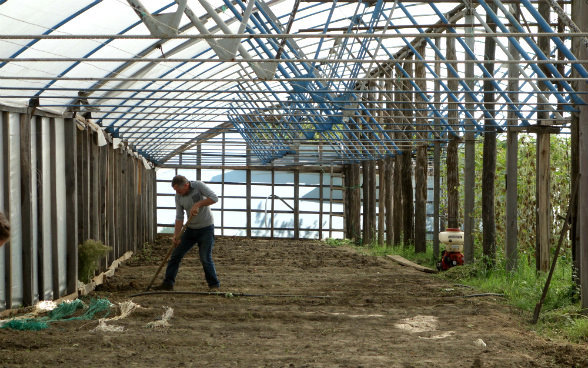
x,y
561,315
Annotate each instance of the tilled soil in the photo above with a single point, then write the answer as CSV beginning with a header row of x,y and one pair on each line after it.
x,y
291,303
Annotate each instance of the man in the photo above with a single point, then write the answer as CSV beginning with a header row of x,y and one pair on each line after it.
x,y
194,198
4,229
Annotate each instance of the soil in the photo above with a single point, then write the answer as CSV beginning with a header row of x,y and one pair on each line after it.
x,y
289,303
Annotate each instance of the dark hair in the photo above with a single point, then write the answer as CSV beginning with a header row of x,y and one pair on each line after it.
x,y
4,227
179,180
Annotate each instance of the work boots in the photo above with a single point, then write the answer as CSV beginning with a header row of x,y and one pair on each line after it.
x,y
164,286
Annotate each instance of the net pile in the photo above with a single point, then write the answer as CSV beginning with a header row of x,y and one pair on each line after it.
x,y
65,311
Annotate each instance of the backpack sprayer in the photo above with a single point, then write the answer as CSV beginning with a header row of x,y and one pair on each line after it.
x,y
452,255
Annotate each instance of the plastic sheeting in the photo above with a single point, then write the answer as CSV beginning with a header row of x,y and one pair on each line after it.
x,y
42,220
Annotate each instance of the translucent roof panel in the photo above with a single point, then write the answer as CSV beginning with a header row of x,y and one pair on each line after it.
x,y
362,80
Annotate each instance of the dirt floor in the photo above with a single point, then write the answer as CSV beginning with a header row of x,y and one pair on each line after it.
x,y
286,303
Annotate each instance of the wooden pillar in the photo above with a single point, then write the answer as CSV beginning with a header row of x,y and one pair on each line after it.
x,y
383,179
373,200
26,189
41,182
580,131
470,151
365,202
489,155
273,211
80,179
54,239
437,162
71,205
512,148
452,162
321,200
110,202
296,204
248,201
397,215
420,208
94,186
407,185
6,157
436,196
543,221
421,163
389,161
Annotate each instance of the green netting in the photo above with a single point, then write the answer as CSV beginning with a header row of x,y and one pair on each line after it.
x,y
63,312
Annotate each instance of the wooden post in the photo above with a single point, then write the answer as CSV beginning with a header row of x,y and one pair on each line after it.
x,y
543,228
296,204
111,201
470,152
365,201
41,182
512,148
452,156
420,208
321,199
389,160
489,161
436,197
54,226
437,163
94,186
421,164
6,157
407,186
372,200
273,212
580,17
397,215
383,176
26,188
71,205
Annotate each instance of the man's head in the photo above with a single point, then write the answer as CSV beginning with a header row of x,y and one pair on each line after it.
x,y
180,184
4,229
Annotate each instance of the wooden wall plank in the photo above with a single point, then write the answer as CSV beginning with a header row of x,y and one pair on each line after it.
x,y
6,156
54,215
71,207
41,181
26,188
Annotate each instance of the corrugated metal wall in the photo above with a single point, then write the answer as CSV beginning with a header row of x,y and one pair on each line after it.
x,y
63,182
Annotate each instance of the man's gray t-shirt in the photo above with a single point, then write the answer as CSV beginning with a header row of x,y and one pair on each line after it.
x,y
198,190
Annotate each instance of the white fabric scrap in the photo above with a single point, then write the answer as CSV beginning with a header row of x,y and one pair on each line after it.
x,y
163,322
103,327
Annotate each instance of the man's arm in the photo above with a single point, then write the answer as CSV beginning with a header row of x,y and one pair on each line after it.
x,y
202,203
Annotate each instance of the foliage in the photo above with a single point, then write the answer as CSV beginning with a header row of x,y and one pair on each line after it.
x,y
89,254
561,311
559,185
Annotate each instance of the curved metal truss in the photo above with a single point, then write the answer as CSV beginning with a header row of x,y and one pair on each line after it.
x,y
292,81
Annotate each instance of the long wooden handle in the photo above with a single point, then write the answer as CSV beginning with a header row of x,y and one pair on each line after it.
x,y
169,252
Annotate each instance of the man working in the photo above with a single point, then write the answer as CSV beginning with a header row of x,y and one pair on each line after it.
x,y
4,229
194,198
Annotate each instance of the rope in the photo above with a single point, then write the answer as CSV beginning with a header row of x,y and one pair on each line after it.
x,y
229,295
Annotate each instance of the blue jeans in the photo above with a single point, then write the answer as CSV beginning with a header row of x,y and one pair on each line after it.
x,y
205,239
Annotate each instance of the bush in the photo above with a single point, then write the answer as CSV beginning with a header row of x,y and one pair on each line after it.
x,y
89,254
